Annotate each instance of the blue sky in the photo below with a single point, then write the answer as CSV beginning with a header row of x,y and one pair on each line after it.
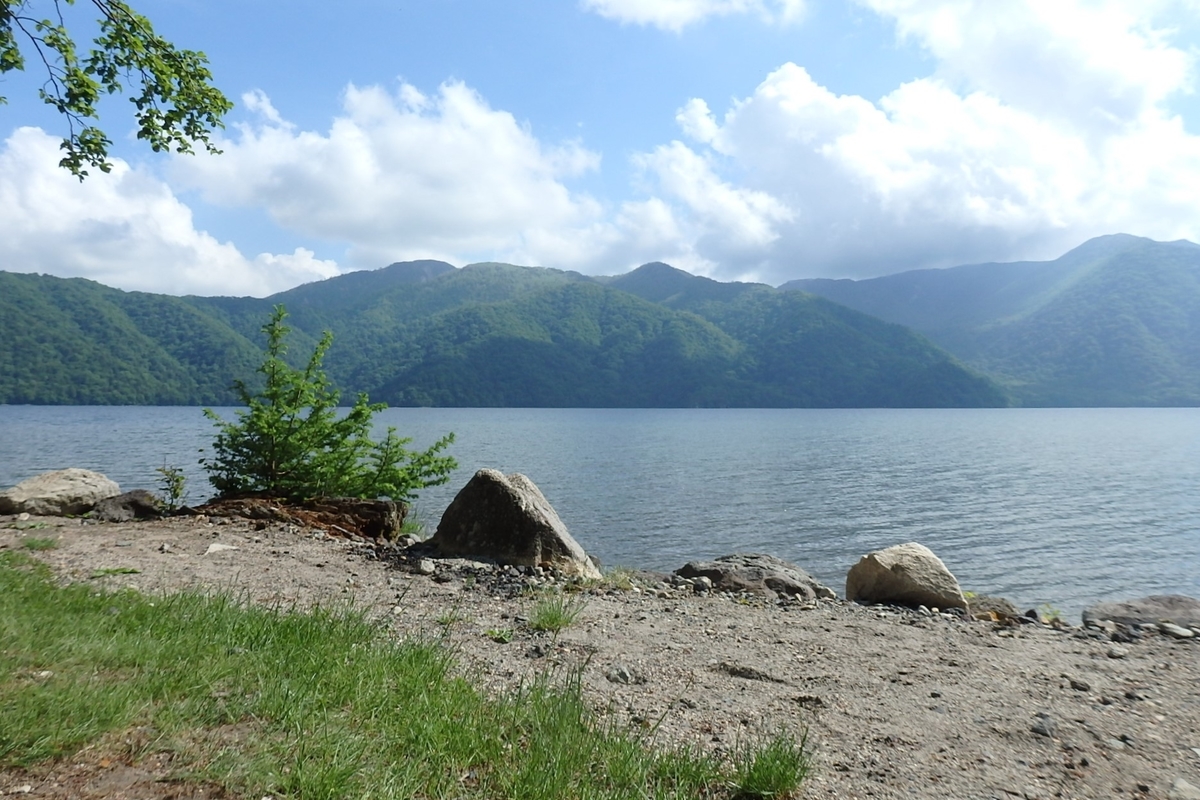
x,y
741,139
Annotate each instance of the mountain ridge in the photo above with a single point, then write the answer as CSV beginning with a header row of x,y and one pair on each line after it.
x,y
498,334
1115,321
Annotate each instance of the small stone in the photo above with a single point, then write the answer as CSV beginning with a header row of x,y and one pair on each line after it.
x,y
1182,790
425,566
23,516
1115,744
1080,686
923,610
1043,725
1175,631
619,673
217,547
1116,651
165,547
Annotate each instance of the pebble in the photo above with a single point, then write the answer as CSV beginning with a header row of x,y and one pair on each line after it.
x,y
217,547
1117,651
1175,631
425,566
1080,686
623,674
1044,725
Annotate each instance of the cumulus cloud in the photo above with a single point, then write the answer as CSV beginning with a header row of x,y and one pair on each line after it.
x,y
404,175
1042,125
124,229
675,15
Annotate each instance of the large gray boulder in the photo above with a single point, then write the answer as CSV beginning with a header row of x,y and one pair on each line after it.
x,y
1175,608
756,573
58,493
904,574
506,519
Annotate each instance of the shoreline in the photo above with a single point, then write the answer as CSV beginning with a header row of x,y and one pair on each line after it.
x,y
898,704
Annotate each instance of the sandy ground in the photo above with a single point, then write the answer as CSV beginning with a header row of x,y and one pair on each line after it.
x,y
897,704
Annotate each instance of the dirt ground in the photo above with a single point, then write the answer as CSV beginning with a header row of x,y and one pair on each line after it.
x,y
896,703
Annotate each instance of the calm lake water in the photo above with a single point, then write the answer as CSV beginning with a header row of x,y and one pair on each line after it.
x,y
1055,506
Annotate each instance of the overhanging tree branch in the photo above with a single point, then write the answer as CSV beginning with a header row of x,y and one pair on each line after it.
x,y
176,105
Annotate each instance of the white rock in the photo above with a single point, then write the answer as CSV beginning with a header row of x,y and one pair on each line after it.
x,y
217,547
58,493
908,574
1182,790
1176,631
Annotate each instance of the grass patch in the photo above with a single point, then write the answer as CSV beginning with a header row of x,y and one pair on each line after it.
x,y
107,571
321,704
553,612
618,578
500,635
40,543
775,769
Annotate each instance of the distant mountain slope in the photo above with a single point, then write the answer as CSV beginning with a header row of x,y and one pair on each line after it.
x,y
487,335
797,343
1115,321
78,342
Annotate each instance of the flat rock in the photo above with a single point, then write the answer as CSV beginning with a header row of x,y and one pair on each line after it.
x,y
507,519
756,573
905,574
137,504
1177,608
984,606
1182,790
58,493
1176,631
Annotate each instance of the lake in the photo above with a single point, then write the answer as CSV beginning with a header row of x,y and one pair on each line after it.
x,y
1043,506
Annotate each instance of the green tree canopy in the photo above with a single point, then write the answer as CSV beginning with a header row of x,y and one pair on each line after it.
x,y
176,105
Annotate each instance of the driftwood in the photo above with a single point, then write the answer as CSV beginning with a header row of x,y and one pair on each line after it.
x,y
338,516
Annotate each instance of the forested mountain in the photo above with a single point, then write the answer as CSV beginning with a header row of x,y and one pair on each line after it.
x,y
424,333
73,341
1114,322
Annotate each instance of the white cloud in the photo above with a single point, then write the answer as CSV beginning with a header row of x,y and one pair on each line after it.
x,y
1093,61
404,176
124,229
675,15
734,222
1042,125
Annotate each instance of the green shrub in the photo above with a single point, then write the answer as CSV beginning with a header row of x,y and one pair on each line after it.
x,y
173,486
293,442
